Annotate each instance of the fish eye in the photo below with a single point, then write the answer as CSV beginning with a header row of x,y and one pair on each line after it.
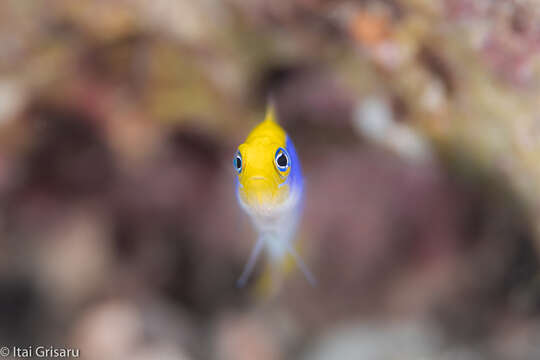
x,y
237,162
282,160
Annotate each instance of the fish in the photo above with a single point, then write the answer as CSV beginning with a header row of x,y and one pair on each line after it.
x,y
270,190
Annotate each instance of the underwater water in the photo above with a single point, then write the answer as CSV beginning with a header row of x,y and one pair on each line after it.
x,y
416,126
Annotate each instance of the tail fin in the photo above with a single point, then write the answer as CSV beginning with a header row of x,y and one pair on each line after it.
x,y
274,274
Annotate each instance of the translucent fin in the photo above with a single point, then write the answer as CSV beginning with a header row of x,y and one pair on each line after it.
x,y
248,269
302,266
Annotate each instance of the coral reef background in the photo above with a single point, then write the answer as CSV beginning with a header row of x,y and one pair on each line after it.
x,y
417,123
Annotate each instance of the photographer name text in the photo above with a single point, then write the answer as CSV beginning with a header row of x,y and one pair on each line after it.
x,y
44,352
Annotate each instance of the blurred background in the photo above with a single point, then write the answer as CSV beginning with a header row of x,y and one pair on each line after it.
x,y
418,126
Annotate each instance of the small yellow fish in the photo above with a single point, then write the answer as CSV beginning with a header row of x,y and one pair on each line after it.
x,y
270,189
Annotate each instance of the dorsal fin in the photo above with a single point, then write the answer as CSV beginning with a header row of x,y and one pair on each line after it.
x,y
270,112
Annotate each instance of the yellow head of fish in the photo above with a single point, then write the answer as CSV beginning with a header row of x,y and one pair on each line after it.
x,y
266,164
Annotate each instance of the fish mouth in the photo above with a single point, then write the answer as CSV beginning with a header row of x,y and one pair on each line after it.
x,y
259,192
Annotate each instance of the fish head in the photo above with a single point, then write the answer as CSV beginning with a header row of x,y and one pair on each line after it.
x,y
263,168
